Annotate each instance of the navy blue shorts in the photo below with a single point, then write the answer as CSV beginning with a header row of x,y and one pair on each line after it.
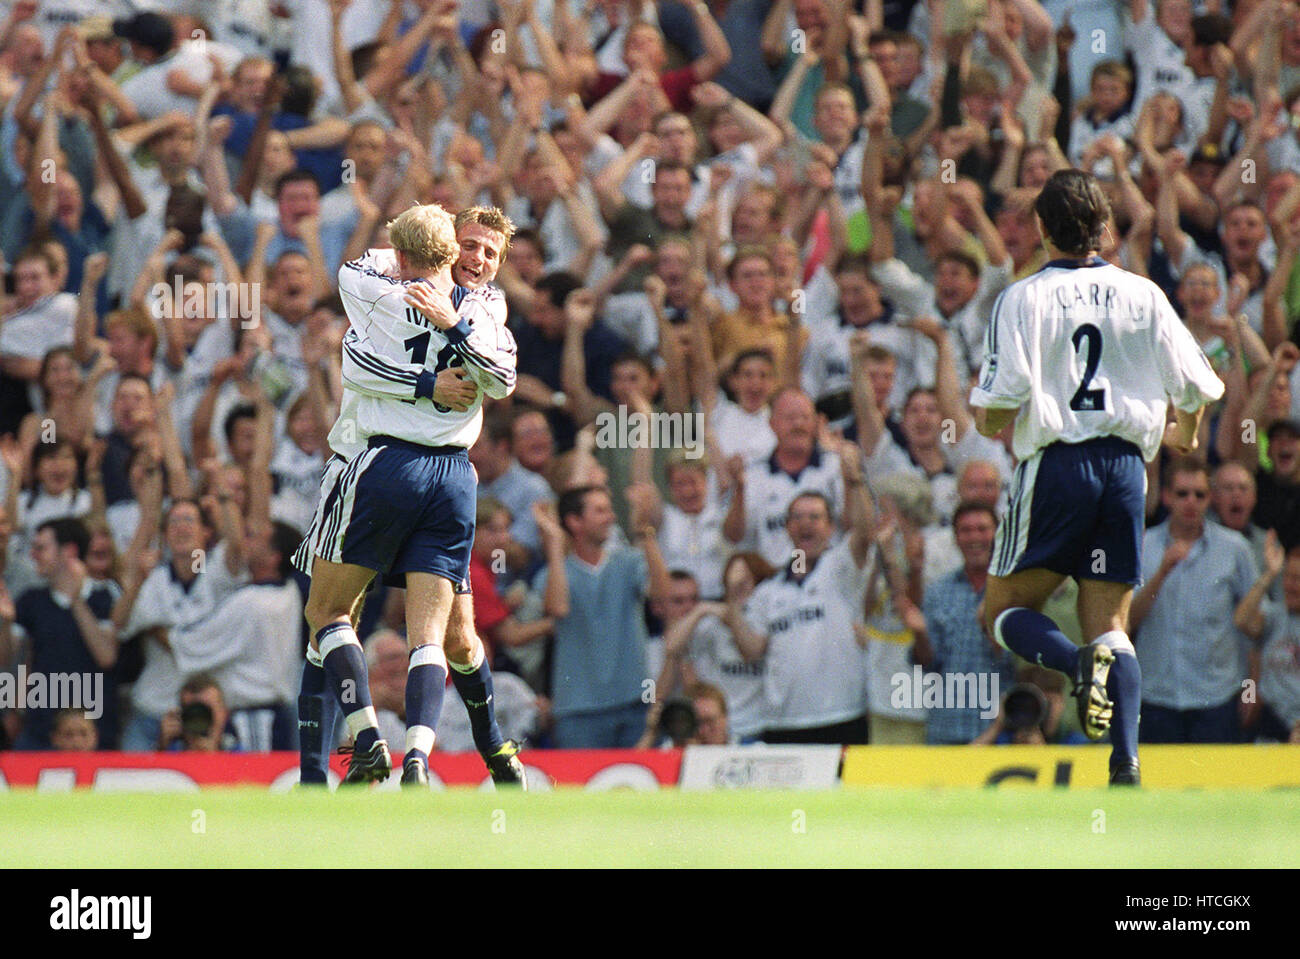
x,y
1077,509
399,508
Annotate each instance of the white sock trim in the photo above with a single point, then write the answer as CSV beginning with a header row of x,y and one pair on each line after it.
x,y
997,627
421,738
361,720
337,639
427,655
1117,641
473,664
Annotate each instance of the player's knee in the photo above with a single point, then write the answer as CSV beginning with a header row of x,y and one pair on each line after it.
x,y
320,612
460,641
990,609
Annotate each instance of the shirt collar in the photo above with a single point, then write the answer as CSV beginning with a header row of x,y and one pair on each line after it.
x,y
1074,264
886,316
185,587
814,462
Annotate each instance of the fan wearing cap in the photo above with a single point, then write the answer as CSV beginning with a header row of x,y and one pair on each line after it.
x,y
106,49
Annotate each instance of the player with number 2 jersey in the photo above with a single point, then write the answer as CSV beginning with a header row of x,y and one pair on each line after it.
x,y
1086,359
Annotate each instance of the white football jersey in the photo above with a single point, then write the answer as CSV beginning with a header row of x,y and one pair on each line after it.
x,y
815,672
1160,63
769,490
392,354
1087,350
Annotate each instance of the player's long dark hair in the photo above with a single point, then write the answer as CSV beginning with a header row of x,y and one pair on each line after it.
x,y
1074,211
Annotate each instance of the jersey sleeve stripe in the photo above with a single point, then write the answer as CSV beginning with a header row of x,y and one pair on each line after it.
x,y
379,367
991,339
360,266
505,373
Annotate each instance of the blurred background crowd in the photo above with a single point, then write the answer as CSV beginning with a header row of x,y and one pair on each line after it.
x,y
782,221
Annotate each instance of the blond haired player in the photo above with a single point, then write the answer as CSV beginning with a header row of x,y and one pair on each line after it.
x,y
398,497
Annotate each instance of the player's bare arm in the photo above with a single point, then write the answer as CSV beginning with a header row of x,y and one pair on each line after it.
x,y
1181,435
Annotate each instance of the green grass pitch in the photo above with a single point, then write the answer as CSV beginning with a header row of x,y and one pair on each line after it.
x,y
570,827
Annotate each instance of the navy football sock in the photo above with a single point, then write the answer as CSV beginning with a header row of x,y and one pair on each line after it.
x,y
474,683
426,681
1033,636
345,668
312,757
1124,687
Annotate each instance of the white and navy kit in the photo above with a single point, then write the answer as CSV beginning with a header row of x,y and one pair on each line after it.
x,y
718,661
295,476
1091,355
255,660
1161,64
696,545
399,494
769,490
815,671
33,331
392,355
166,602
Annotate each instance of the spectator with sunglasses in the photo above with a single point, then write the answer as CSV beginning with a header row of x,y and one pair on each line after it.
x,y
1194,659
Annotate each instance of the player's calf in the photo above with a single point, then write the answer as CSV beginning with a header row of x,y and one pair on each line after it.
x,y
345,669
1034,637
472,678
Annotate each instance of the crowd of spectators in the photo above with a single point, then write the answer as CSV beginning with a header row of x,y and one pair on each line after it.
x,y
766,232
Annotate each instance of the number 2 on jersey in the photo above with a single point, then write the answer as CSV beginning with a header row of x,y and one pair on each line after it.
x,y
1089,338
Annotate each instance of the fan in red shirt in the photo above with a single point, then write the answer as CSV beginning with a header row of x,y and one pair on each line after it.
x,y
492,551
644,48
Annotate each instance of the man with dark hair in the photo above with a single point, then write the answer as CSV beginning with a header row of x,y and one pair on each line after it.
x,y
170,78
39,318
1085,359
240,429
200,723
962,293
629,225
501,477
70,640
826,368
540,337
1278,507
134,412
907,114
178,596
948,637
595,593
1196,573
301,226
